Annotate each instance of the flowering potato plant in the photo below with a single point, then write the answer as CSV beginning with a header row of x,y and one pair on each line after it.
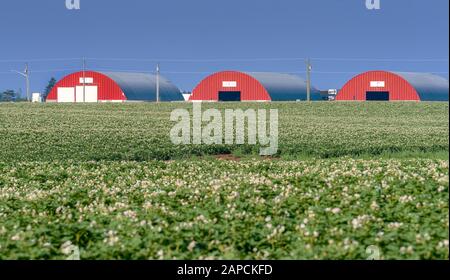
x,y
105,182
141,132
210,209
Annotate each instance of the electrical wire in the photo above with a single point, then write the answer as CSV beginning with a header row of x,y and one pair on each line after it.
x,y
230,59
39,60
382,59
55,70
271,59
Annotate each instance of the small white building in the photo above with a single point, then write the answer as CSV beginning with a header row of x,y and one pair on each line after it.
x,y
332,93
36,97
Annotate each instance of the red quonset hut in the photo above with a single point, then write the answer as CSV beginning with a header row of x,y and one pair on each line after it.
x,y
91,86
392,86
239,86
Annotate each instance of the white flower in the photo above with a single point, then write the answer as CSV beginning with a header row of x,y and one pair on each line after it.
x,y
67,247
112,238
16,237
374,206
406,199
130,214
160,254
191,246
336,211
359,221
395,225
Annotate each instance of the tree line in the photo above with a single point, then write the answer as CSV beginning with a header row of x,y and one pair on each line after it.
x,y
10,95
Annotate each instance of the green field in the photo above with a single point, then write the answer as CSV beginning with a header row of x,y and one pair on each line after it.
x,y
107,179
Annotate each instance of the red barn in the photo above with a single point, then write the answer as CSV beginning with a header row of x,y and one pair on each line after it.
x,y
240,86
91,86
390,86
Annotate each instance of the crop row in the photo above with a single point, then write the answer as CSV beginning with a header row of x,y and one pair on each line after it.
x,y
211,209
141,131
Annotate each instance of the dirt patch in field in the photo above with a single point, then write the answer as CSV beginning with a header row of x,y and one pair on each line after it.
x,y
228,157
271,158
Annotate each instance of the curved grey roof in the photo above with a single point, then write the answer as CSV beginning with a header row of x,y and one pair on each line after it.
x,y
429,86
142,86
285,87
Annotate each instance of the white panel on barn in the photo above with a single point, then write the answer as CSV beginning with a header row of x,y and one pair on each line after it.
x,y
66,94
91,94
79,94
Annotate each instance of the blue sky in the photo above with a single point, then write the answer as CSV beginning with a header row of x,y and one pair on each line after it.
x,y
218,35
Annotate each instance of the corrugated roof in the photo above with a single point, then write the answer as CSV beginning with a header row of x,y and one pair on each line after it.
x,y
142,86
430,87
285,87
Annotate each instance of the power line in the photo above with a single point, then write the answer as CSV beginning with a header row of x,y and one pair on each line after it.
x,y
46,71
38,60
187,72
55,70
121,70
197,60
190,60
182,72
273,59
206,72
383,59
209,72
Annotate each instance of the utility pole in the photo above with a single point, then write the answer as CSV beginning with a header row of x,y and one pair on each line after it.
x,y
27,78
308,79
26,74
157,83
84,79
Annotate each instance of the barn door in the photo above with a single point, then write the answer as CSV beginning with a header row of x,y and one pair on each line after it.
x,y
377,96
90,94
66,94
79,94
229,96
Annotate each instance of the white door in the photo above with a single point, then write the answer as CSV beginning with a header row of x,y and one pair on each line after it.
x,y
66,95
79,94
89,95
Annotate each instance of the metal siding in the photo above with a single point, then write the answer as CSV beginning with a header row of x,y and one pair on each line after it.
x,y
259,86
398,87
429,86
107,89
116,86
285,87
142,86
250,88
